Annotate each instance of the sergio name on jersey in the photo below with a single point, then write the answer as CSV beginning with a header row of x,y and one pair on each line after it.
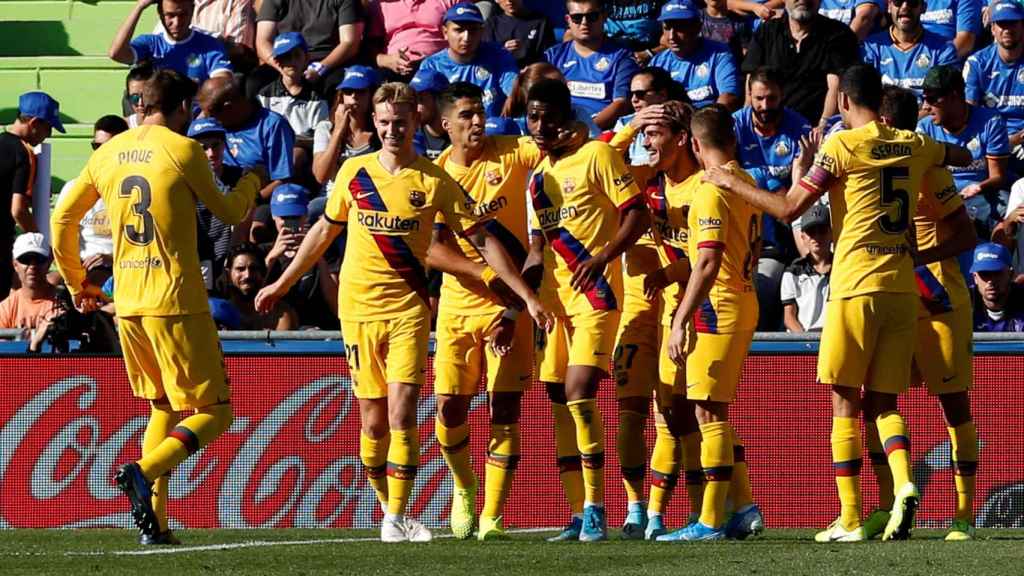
x,y
577,202
873,175
149,179
390,219
497,183
720,220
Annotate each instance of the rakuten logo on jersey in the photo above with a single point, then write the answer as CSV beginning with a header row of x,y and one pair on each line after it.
x,y
553,217
379,222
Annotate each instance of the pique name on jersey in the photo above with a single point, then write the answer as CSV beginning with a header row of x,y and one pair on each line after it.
x,y
889,150
552,217
379,222
488,208
135,156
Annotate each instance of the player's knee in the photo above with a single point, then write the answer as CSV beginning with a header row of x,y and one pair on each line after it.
x,y
633,404
505,407
223,414
556,393
453,410
956,408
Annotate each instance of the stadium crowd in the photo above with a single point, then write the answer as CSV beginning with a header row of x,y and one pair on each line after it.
x,y
287,85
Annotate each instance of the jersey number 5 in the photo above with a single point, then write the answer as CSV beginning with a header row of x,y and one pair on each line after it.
x,y
133,233
893,195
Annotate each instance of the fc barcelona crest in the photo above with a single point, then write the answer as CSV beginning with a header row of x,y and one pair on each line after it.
x,y
417,199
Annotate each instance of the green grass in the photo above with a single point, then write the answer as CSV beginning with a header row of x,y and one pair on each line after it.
x,y
96,552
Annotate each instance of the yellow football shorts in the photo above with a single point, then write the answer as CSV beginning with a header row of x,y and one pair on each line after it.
x,y
714,365
868,341
635,358
462,349
579,340
380,352
943,358
177,357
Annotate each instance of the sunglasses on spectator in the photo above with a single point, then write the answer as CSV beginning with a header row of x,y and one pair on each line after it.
x,y
32,260
933,98
590,17
911,3
95,145
639,94
135,99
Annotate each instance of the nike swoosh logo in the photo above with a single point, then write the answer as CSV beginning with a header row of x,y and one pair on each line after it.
x,y
886,61
363,195
994,74
658,196
568,65
750,146
944,380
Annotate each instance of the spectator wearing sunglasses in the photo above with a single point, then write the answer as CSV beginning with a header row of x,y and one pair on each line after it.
x,y
983,184
993,75
958,21
31,306
96,246
596,69
860,15
906,51
133,84
648,86
705,68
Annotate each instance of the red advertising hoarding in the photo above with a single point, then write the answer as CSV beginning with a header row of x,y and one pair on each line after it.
x,y
291,457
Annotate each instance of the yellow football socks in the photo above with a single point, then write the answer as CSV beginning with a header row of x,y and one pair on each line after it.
x,y
186,439
403,458
892,431
455,447
161,421
502,460
632,457
693,474
568,455
880,464
846,463
717,459
374,454
964,440
590,442
739,489
665,459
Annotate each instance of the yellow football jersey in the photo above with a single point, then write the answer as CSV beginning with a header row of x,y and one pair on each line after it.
x,y
670,206
577,201
869,173
941,284
390,218
497,182
718,219
149,179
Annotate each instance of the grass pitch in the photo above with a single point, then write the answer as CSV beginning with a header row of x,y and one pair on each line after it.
x,y
292,551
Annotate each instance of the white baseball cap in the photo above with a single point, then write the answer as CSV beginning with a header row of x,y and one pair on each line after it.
x,y
31,243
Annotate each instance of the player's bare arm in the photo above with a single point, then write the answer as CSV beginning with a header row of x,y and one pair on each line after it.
x,y
633,223
954,244
444,255
702,278
657,280
498,259
317,241
533,267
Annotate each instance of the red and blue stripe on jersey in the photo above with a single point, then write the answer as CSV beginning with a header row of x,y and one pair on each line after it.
x,y
655,195
933,294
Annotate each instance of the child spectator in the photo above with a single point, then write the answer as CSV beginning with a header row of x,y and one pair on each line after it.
x,y
431,139
351,133
524,33
291,95
804,289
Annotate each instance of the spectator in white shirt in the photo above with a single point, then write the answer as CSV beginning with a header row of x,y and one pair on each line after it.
x,y
805,282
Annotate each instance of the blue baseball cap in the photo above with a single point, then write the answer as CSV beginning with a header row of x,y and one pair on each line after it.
x,y
1006,11
41,105
359,78
289,199
678,10
990,257
464,12
205,127
285,43
225,314
429,81
501,126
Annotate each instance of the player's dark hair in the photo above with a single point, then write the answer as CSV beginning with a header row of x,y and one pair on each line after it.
x,y
766,75
713,126
223,285
457,91
862,84
661,80
598,3
110,124
899,107
553,93
166,91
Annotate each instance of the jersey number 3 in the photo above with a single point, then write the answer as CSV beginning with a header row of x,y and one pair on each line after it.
x,y
893,195
143,233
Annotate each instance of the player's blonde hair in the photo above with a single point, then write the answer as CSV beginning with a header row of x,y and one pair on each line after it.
x,y
394,93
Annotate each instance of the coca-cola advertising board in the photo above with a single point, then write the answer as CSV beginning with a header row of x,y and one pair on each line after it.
x,y
291,457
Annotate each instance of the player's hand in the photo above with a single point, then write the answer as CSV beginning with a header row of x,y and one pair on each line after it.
x,y
677,345
500,338
88,299
587,273
654,283
971,190
720,176
268,297
544,319
512,45
809,145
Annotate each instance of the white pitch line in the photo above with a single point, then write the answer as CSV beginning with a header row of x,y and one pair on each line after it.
x,y
260,544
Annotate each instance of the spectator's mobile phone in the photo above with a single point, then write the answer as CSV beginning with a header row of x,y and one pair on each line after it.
x,y
291,223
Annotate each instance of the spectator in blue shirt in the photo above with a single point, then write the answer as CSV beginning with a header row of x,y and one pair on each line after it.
x,y
467,59
905,52
632,23
190,52
860,15
431,138
958,21
995,75
255,136
705,68
596,69
998,302
983,184
649,86
515,106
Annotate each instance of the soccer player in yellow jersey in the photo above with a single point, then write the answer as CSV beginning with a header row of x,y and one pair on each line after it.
x,y
476,326
943,358
719,311
389,201
587,210
647,317
868,341
150,179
